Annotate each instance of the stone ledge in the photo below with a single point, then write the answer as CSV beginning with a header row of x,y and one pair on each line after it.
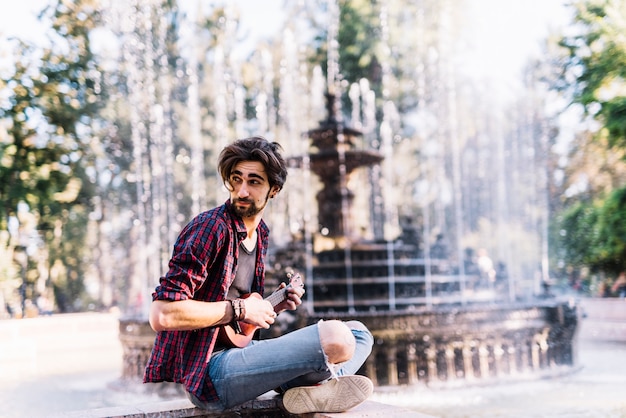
x,y
259,408
604,319
603,330
604,309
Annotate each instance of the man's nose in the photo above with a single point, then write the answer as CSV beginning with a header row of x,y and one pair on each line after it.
x,y
243,190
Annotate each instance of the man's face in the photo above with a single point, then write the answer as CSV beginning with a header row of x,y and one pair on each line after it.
x,y
249,188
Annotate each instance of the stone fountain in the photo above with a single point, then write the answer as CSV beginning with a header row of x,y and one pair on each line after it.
x,y
426,329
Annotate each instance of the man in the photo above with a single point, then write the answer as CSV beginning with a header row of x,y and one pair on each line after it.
x,y
217,259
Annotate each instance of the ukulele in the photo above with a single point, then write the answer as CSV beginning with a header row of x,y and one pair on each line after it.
x,y
238,338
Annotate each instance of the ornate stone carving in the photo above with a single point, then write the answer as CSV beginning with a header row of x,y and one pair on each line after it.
x,y
441,347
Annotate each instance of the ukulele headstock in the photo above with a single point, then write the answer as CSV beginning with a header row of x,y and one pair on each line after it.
x,y
295,280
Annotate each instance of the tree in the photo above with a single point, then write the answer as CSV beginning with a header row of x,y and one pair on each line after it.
x,y
52,96
592,74
594,234
595,66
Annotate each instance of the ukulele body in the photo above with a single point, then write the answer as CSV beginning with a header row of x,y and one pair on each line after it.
x,y
229,337
239,338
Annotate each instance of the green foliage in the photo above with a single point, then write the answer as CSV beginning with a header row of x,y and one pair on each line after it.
x,y
610,253
591,232
52,96
615,112
596,66
358,37
594,234
578,233
50,99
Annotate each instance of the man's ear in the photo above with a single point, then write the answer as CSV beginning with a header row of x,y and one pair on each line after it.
x,y
274,191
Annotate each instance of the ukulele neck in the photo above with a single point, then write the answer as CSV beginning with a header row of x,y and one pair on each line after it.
x,y
278,296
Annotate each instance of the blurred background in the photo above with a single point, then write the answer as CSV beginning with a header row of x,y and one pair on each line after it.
x,y
501,124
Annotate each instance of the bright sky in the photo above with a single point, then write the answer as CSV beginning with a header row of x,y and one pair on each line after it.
x,y
505,32
20,19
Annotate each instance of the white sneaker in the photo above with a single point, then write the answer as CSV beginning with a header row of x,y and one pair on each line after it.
x,y
337,395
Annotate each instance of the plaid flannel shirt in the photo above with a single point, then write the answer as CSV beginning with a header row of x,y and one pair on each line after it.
x,y
202,267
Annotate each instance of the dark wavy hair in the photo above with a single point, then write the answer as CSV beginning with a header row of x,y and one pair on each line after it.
x,y
255,148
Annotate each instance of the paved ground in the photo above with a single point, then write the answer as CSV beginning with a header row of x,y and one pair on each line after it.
x,y
597,390
72,362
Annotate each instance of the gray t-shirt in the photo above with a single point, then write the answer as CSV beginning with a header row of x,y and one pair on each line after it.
x,y
245,272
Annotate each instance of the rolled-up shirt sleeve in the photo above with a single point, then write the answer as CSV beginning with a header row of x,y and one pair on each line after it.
x,y
195,250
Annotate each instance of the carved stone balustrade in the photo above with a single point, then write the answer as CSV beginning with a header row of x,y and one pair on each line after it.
x,y
476,343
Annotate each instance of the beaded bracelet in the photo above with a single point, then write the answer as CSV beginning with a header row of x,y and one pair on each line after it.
x,y
239,309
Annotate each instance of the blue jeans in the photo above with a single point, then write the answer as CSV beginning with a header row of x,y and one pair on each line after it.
x,y
294,359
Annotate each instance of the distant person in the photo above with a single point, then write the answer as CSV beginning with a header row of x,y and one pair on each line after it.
x,y
439,249
471,268
545,290
619,287
469,262
218,259
44,305
485,267
604,289
30,309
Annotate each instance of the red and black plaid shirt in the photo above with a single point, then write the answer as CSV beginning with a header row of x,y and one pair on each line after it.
x,y
202,267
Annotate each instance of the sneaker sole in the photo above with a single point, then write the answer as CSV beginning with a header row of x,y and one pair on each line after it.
x,y
336,395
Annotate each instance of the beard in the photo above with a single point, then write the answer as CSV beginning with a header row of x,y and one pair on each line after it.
x,y
246,212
